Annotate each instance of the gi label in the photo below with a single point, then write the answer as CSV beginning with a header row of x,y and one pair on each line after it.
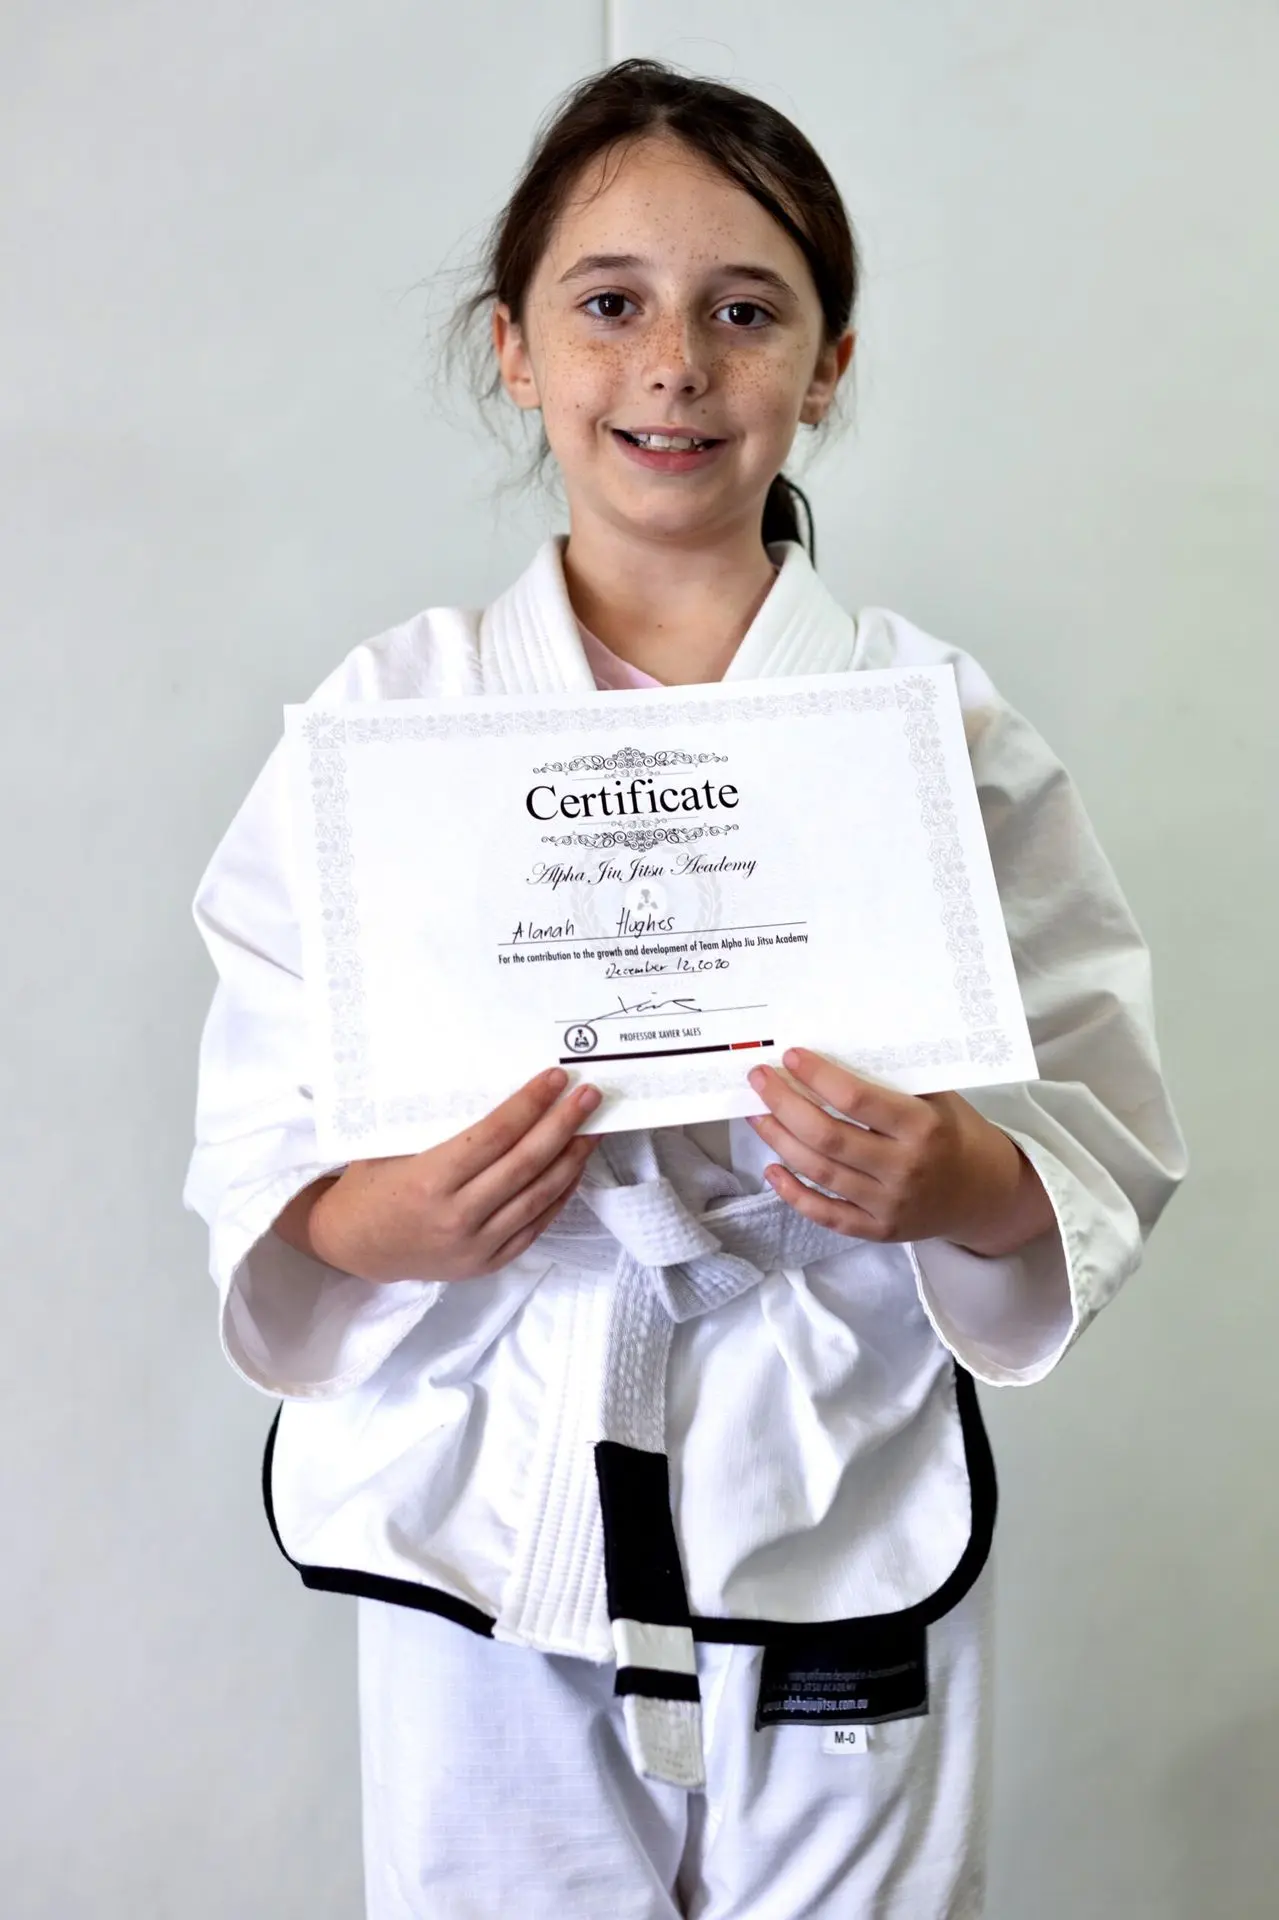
x,y
845,1679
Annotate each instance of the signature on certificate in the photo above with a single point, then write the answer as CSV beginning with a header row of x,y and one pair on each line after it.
x,y
682,1003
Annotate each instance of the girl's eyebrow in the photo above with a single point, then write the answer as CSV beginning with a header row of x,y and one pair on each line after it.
x,y
621,262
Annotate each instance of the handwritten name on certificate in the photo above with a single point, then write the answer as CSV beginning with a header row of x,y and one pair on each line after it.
x,y
658,889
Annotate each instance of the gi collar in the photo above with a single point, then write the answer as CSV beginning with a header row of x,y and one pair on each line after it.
x,y
529,641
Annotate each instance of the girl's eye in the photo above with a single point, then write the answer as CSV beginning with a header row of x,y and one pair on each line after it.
x,y
588,304
747,306
733,306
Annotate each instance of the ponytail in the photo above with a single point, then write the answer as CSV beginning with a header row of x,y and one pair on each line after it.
x,y
781,519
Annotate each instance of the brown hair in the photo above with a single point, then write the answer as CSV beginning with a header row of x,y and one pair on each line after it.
x,y
751,143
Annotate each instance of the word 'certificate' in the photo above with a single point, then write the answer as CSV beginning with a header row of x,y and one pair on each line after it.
x,y
659,889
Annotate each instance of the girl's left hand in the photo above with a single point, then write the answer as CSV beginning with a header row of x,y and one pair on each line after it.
x,y
904,1167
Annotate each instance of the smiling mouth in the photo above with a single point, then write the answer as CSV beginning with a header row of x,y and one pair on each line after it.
x,y
668,443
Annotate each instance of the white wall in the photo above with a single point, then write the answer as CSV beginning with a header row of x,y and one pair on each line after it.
x,y
222,467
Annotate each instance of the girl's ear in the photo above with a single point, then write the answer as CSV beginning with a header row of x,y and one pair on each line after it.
x,y
832,364
514,364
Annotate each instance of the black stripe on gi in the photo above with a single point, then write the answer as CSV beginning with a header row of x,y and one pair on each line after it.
x,y
641,1556
642,1571
655,1683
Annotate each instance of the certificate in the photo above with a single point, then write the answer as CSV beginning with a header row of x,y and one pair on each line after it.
x,y
657,889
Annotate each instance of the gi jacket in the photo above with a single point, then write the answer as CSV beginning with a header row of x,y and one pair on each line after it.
x,y
798,1405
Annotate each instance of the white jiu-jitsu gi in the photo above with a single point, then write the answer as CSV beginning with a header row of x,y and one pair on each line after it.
x,y
507,1451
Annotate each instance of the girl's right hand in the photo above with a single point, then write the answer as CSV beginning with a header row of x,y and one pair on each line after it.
x,y
458,1210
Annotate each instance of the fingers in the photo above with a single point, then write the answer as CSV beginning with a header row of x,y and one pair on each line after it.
x,y
550,1189
839,1215
850,1184
521,1242
528,1158
881,1108
480,1145
822,1133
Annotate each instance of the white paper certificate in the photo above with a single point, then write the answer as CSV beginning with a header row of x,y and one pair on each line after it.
x,y
657,889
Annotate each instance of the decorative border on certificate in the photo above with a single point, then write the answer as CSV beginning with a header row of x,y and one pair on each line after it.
x,y
626,759
329,733
639,839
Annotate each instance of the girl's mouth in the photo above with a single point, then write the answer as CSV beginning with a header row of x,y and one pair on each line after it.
x,y
667,459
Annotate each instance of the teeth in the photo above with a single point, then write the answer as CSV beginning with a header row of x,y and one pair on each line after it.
x,y
666,442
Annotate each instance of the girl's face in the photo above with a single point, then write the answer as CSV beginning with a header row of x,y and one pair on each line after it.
x,y
669,300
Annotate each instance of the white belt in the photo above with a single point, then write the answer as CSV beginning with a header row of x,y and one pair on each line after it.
x,y
669,1262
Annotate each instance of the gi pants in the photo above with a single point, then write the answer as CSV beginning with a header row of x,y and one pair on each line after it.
x,y
497,1786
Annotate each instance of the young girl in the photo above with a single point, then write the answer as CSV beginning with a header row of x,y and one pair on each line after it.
x,y
736,1661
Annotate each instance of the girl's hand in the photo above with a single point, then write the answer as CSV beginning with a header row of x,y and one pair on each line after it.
x,y
910,1169
458,1210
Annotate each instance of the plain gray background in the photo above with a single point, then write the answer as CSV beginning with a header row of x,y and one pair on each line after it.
x,y
227,235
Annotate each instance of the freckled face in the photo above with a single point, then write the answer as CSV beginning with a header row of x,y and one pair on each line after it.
x,y
684,335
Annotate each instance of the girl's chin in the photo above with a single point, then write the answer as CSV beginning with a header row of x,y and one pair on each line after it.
x,y
677,523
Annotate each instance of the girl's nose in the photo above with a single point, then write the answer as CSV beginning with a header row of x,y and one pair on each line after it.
x,y
676,362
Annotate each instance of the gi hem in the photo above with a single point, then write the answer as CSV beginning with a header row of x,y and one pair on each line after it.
x,y
785,1635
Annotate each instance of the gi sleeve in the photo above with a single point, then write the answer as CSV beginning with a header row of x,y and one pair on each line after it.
x,y
289,1324
1097,1126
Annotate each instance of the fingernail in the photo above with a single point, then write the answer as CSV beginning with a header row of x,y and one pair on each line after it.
x,y
792,1057
588,1098
556,1079
756,1078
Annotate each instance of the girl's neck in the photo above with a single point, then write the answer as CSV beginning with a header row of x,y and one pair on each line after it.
x,y
677,613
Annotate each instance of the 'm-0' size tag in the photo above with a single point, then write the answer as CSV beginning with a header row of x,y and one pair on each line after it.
x,y
846,1740
845,1679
